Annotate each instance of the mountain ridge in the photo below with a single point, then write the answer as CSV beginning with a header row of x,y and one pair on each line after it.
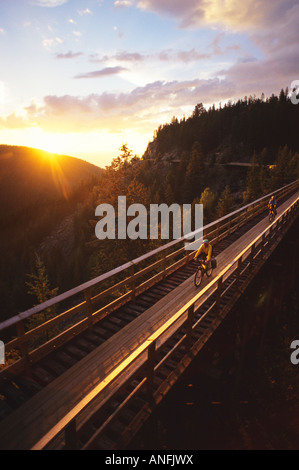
x,y
30,177
45,202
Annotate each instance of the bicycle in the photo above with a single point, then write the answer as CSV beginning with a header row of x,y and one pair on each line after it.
x,y
271,214
201,271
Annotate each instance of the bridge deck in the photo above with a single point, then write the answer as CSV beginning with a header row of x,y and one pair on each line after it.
x,y
24,427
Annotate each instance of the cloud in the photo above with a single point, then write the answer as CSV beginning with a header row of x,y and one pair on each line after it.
x,y
102,73
270,25
215,45
122,3
145,108
49,43
120,34
125,56
49,3
2,93
69,55
268,75
162,56
281,37
183,56
233,14
14,121
87,11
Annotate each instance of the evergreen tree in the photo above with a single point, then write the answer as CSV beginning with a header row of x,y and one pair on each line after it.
x,y
280,175
171,191
198,110
225,203
253,189
195,174
180,177
208,199
194,203
169,194
39,287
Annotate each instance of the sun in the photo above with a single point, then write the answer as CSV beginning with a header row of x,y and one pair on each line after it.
x,y
52,143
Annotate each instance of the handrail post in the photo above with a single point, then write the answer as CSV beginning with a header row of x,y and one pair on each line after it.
x,y
279,225
87,296
218,294
263,244
164,265
132,282
189,324
252,251
71,436
239,271
217,234
229,226
270,235
23,342
150,374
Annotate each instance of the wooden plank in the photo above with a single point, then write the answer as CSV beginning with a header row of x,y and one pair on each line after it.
x,y
74,351
65,358
54,367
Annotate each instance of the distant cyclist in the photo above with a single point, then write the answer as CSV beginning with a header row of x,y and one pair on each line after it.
x,y
205,253
272,205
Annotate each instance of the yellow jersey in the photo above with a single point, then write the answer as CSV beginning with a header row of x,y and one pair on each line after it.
x,y
206,249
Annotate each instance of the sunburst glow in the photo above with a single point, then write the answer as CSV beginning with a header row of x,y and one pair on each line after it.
x,y
59,177
53,143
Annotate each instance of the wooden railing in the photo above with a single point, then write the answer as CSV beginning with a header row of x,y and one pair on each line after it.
x,y
146,361
87,303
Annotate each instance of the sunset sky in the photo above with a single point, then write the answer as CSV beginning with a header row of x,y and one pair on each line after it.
x,y
82,77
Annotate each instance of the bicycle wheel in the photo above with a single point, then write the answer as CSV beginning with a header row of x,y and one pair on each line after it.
x,y
271,216
198,277
209,271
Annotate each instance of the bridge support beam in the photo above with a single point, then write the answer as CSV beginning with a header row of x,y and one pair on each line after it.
x,y
218,295
24,346
189,324
150,374
71,436
87,296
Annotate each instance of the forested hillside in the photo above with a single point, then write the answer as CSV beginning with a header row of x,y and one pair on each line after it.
x,y
30,178
48,204
231,132
38,192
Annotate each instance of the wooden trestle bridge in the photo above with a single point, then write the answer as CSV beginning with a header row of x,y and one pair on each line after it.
x,y
89,377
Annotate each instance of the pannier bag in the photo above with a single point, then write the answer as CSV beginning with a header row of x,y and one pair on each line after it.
x,y
213,263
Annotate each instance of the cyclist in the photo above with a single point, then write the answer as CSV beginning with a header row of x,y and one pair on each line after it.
x,y
205,253
272,205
